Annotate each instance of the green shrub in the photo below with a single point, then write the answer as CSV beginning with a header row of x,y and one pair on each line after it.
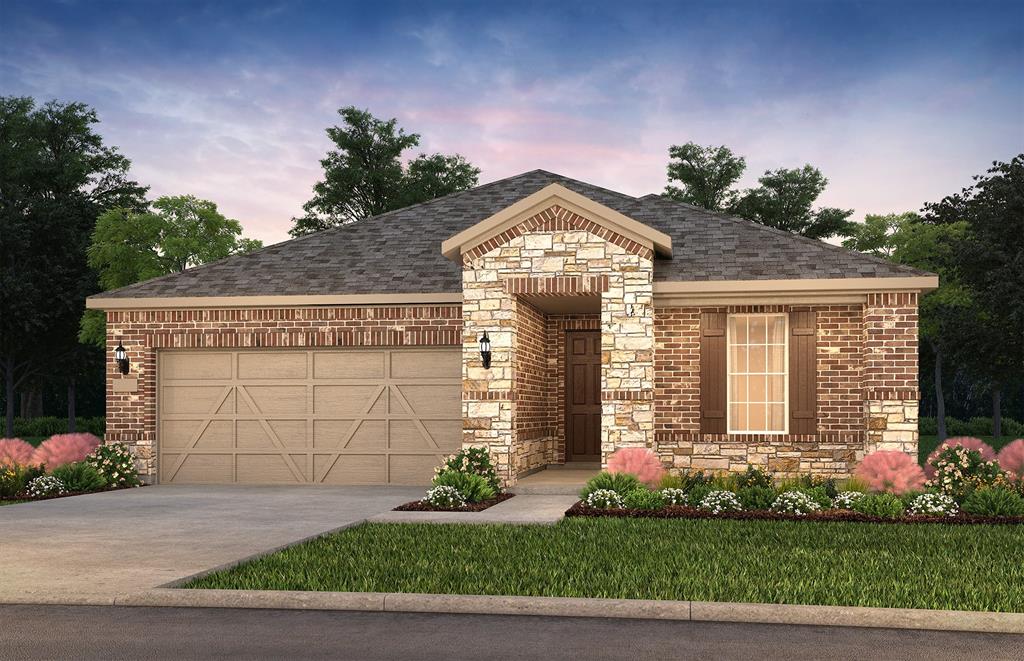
x,y
116,463
718,501
476,461
979,427
674,496
933,504
698,493
882,505
14,479
752,477
846,499
50,425
927,427
994,502
1013,428
620,483
686,480
756,497
955,427
80,477
795,502
854,484
820,495
643,499
444,497
474,488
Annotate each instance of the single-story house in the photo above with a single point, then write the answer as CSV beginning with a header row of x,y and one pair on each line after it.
x,y
354,355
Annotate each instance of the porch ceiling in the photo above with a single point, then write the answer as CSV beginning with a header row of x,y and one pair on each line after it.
x,y
564,304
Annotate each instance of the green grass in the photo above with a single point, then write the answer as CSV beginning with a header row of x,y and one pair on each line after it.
x,y
852,564
11,502
925,444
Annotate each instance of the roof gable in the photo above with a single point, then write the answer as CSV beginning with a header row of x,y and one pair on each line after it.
x,y
555,195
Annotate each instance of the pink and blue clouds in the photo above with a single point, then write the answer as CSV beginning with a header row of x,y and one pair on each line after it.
x,y
898,103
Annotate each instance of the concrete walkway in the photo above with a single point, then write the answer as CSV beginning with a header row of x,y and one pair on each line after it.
x,y
523,509
85,549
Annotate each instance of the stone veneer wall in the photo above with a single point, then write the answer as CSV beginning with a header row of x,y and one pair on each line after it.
x,y
855,346
131,416
557,252
891,393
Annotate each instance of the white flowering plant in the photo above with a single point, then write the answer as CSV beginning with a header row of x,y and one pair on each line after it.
x,y
845,500
721,501
116,463
959,472
604,499
795,502
45,485
674,496
445,497
933,504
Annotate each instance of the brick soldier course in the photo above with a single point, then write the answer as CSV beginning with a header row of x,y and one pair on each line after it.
x,y
528,260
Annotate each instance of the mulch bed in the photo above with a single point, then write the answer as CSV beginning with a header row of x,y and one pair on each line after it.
x,y
27,499
680,512
420,506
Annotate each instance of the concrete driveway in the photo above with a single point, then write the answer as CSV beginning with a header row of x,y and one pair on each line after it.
x,y
88,549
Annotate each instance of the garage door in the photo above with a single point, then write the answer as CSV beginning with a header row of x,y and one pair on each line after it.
x,y
361,416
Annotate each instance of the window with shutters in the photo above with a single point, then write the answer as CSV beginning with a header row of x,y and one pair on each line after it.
x,y
757,375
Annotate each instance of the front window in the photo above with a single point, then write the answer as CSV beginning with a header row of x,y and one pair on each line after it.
x,y
758,384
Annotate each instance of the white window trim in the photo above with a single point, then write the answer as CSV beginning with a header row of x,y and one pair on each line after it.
x,y
728,374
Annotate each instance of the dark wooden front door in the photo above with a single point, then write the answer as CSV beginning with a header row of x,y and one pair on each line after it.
x,y
583,396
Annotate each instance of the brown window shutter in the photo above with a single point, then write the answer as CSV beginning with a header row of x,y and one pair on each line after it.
x,y
803,373
712,373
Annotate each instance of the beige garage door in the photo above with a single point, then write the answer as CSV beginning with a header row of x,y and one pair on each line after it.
x,y
360,416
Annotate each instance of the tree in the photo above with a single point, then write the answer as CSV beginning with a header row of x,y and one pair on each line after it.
x,y
364,176
784,200
990,261
56,176
178,233
880,235
706,175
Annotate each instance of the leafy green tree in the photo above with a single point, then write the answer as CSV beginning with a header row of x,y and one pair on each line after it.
x,y
785,200
179,232
880,235
364,176
56,177
990,262
706,175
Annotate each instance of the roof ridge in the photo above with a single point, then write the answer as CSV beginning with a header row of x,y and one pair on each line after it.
x,y
792,235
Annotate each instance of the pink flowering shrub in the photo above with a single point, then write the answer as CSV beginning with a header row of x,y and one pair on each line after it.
x,y
640,462
15,452
894,472
64,449
1011,458
986,451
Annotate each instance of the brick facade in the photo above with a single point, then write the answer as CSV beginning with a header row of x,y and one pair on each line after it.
x,y
131,415
860,349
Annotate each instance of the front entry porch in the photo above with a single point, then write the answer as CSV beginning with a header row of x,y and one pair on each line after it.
x,y
557,479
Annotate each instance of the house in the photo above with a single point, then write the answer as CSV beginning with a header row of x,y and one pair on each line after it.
x,y
353,356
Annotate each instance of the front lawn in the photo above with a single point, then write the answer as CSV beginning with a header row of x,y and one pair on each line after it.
x,y
926,444
851,564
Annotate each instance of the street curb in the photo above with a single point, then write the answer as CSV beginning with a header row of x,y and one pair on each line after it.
x,y
644,609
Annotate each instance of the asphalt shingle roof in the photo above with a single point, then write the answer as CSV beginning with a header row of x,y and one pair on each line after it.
x,y
400,251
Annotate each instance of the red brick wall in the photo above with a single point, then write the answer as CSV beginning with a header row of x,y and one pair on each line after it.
x,y
131,416
841,420
890,344
532,421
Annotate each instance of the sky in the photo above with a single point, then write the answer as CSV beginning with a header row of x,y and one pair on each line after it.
x,y
898,103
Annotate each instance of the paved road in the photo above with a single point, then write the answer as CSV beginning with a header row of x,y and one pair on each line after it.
x,y
100,632
91,547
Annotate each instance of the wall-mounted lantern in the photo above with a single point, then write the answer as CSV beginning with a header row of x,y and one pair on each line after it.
x,y
485,350
121,356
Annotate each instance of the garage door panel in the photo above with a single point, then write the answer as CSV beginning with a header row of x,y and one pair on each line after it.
x,y
427,365
203,468
192,399
433,401
276,399
349,365
268,468
352,469
410,468
343,400
196,365
359,416
271,365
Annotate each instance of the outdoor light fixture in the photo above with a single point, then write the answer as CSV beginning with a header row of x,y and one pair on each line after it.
x,y
485,350
121,356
